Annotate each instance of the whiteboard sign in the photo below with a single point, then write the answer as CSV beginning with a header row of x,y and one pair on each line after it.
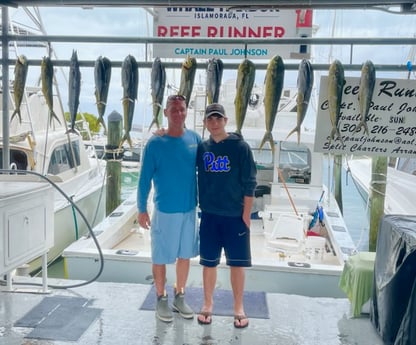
x,y
391,120
214,22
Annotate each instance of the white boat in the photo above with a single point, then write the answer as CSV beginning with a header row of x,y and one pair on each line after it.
x,y
285,259
47,149
400,183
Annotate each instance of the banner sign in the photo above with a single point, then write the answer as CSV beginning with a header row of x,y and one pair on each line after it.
x,y
214,22
391,120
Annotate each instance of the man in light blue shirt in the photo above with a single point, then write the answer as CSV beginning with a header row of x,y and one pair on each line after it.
x,y
169,161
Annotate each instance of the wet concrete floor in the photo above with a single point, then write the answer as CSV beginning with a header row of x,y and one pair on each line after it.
x,y
294,320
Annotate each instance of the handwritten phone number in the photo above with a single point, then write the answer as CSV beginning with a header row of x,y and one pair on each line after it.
x,y
378,129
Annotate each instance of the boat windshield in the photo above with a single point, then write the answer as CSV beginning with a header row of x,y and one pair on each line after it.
x,y
407,165
62,158
295,163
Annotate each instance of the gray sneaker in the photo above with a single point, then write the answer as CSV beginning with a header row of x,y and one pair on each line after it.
x,y
180,306
163,312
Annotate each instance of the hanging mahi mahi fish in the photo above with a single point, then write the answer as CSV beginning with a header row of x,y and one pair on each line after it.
x,y
102,77
157,83
273,87
74,90
130,83
47,86
365,93
215,68
20,74
187,78
335,88
305,84
245,81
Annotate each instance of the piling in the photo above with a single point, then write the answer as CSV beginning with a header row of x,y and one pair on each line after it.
x,y
377,197
338,181
113,156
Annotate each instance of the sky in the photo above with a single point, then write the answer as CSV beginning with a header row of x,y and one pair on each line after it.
x,y
138,22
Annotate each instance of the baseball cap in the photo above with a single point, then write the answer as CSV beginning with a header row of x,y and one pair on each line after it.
x,y
215,109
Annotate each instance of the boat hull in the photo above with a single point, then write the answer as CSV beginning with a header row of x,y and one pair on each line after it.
x,y
126,253
313,282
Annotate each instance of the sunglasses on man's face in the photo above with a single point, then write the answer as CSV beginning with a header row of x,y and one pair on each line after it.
x,y
172,98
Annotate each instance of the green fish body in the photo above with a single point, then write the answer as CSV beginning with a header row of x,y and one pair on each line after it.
x,y
47,86
304,84
188,72
336,83
102,77
130,84
365,93
215,69
157,83
245,81
273,87
20,74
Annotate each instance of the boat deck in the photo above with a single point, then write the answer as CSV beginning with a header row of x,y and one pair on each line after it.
x,y
294,320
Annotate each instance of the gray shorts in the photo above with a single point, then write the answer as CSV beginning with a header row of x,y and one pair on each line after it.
x,y
173,236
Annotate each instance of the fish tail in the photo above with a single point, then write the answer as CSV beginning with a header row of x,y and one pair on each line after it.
x,y
16,112
268,137
154,122
335,133
297,130
340,137
52,116
332,135
100,120
126,137
362,124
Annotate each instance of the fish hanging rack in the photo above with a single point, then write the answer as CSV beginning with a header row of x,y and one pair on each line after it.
x,y
227,65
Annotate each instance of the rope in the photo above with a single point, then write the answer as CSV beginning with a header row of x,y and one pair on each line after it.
x,y
113,153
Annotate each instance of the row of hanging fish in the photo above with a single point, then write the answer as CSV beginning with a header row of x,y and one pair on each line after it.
x,y
102,75
20,75
273,87
189,66
336,82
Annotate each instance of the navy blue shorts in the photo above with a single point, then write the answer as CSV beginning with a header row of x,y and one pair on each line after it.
x,y
228,233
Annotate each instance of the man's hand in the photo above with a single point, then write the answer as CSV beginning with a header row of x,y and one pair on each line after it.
x,y
144,220
160,132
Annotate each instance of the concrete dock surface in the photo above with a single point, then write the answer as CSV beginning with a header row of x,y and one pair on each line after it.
x,y
294,319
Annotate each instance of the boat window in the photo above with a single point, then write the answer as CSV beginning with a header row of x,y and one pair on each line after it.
x,y
62,158
18,159
295,163
407,165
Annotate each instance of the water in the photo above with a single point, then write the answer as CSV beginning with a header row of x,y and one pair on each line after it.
x,y
355,213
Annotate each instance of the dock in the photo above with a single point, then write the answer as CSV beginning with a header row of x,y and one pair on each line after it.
x,y
111,315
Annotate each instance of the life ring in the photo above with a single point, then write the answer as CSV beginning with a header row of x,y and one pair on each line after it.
x,y
254,101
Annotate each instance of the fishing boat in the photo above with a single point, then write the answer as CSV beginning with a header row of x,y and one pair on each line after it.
x,y
400,183
46,148
299,238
